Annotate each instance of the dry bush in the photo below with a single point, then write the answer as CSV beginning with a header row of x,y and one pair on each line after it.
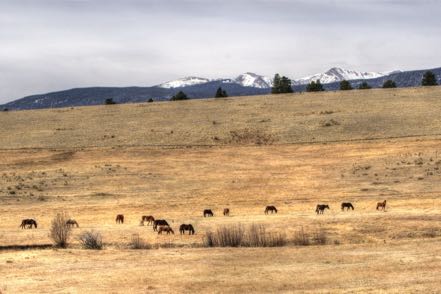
x,y
326,112
238,236
247,136
329,123
60,232
91,240
301,238
138,243
320,237
257,236
225,236
431,233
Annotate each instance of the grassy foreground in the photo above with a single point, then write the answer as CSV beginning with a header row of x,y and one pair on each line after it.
x,y
173,160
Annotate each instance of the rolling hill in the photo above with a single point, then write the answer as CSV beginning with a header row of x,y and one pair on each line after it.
x,y
244,85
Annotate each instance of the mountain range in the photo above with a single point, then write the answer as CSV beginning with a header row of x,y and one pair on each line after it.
x,y
250,79
247,79
197,87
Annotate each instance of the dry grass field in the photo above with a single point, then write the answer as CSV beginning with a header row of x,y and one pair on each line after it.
x,y
174,159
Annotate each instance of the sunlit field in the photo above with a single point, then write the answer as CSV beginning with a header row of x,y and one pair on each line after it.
x,y
172,160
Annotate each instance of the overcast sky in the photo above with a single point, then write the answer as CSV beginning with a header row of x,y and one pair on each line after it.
x,y
48,45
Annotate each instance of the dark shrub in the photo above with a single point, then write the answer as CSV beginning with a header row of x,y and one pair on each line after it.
x,y
109,101
91,240
389,84
179,96
429,79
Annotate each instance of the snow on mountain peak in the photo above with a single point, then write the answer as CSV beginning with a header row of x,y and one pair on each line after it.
x,y
337,74
250,79
184,82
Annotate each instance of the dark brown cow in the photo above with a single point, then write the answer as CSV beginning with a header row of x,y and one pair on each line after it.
x,y
226,211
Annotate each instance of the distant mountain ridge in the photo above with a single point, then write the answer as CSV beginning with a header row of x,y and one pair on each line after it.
x,y
247,79
337,74
194,87
184,82
250,79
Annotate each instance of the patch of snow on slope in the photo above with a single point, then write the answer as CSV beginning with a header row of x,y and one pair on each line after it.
x,y
337,74
253,80
184,82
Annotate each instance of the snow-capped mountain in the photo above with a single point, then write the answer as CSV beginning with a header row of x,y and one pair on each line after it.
x,y
184,82
200,89
337,74
250,79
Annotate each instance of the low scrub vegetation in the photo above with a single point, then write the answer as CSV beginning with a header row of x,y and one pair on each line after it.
x,y
329,123
249,136
240,236
60,232
91,240
304,238
138,243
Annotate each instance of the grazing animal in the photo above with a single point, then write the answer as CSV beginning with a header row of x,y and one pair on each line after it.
x,y
166,229
159,222
271,208
28,223
347,205
188,228
321,208
147,218
119,219
208,212
226,211
381,205
72,223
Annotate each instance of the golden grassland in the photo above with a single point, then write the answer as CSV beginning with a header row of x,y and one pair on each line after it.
x,y
173,160
293,118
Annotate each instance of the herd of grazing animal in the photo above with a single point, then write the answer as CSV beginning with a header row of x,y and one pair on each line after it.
x,y
162,226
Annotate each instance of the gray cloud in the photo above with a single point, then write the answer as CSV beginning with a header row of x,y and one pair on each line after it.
x,y
52,45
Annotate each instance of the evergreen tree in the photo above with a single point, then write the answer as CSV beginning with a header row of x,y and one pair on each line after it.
x,y
109,101
179,96
389,84
281,85
345,85
364,86
285,85
276,84
429,79
221,93
314,86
